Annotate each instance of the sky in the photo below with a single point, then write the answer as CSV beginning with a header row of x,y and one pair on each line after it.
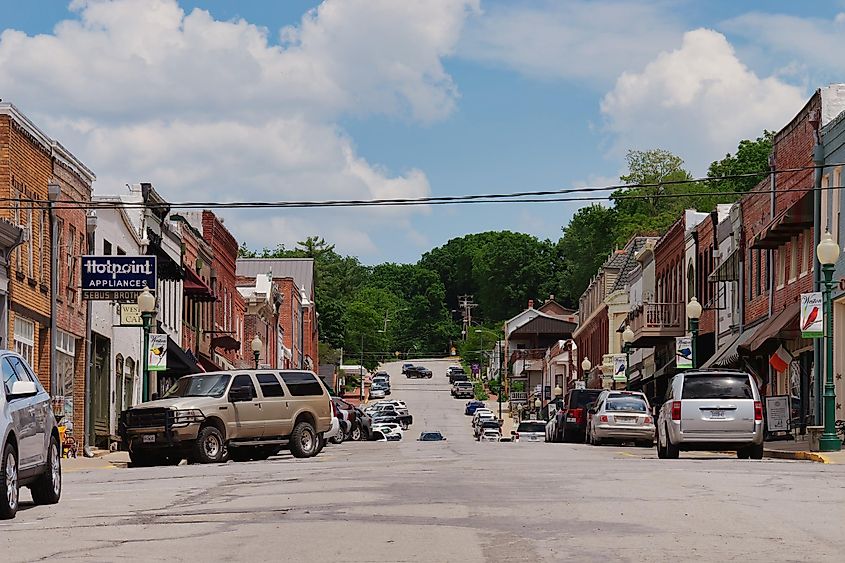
x,y
361,99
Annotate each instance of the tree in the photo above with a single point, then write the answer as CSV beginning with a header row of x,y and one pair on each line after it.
x,y
586,242
751,156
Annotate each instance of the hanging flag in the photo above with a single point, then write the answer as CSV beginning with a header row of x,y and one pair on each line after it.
x,y
780,359
157,353
620,368
812,315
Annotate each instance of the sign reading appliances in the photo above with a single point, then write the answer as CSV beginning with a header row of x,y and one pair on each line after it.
x,y
118,273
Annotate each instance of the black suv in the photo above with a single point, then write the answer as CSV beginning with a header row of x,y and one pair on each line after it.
x,y
571,421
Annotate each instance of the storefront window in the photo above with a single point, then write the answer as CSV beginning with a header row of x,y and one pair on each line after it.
x,y
65,364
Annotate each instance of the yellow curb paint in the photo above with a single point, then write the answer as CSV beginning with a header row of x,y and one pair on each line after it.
x,y
804,456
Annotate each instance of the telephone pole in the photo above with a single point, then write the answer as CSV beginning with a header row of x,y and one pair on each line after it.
x,y
466,303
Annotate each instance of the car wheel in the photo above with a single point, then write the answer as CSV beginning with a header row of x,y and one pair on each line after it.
x,y
48,488
9,482
357,433
304,441
321,443
661,449
672,451
339,438
209,446
755,451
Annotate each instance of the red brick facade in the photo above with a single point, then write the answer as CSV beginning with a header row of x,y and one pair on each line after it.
x,y
707,293
290,319
224,248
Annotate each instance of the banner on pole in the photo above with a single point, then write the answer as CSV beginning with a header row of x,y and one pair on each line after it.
x,y
683,352
812,315
620,368
157,353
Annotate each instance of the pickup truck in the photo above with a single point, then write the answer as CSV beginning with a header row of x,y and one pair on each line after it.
x,y
463,389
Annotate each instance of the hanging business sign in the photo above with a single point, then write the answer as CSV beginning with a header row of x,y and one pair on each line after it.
x,y
620,368
157,352
683,352
812,315
110,277
130,314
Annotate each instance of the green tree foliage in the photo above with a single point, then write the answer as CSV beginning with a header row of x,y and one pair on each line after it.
x,y
751,156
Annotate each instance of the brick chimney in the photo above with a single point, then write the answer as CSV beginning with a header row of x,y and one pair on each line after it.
x,y
530,303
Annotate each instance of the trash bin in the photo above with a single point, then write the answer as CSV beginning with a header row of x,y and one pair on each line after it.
x,y
813,435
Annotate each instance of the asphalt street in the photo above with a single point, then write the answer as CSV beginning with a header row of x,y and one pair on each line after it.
x,y
458,500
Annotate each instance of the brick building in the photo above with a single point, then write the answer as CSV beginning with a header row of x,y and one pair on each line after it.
x,y
228,311
26,170
74,181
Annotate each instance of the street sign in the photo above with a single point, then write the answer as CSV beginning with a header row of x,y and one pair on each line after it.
x,y
683,352
130,314
812,315
777,413
157,353
117,275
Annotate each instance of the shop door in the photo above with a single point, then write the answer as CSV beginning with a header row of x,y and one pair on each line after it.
x,y
100,390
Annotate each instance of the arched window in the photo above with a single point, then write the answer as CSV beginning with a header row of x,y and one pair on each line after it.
x,y
691,280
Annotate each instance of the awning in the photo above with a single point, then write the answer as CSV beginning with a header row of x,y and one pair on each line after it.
x,y
728,269
194,286
787,224
776,327
167,268
206,363
179,362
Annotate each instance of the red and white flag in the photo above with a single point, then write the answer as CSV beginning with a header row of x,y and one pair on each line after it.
x,y
780,359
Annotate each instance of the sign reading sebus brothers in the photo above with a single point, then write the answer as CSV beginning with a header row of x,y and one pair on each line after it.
x,y
116,277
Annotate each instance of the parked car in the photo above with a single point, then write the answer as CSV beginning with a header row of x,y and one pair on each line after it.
x,y
487,425
472,406
711,409
406,367
571,420
530,431
337,433
431,437
621,416
388,427
377,392
454,370
363,429
463,390
425,373
248,413
389,409
458,376
29,438
347,415
382,382
379,436
415,372
490,435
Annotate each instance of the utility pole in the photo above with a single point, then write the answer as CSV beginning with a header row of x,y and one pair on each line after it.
x,y
466,303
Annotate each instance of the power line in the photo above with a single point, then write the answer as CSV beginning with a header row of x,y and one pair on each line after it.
x,y
537,196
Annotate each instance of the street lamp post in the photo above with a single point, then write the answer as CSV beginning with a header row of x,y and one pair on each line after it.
x,y
828,253
538,404
147,307
586,366
256,349
627,338
693,314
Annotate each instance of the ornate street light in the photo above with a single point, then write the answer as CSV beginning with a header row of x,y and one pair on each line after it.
x,y
693,314
828,254
256,349
147,307
586,366
538,404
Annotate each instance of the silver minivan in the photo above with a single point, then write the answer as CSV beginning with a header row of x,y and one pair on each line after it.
x,y
711,410
29,438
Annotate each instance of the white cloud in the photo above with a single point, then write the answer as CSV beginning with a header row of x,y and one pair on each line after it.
x,y
699,101
213,110
576,39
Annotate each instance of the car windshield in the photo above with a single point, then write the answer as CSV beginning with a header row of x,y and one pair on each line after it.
x,y
490,424
717,387
431,436
580,399
213,385
531,427
626,404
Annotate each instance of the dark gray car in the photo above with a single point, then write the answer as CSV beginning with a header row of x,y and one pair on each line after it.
x,y
31,451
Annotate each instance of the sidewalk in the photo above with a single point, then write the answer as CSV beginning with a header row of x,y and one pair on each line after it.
x,y
800,449
507,422
108,460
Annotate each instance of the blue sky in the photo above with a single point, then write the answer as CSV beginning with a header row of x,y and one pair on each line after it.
x,y
374,98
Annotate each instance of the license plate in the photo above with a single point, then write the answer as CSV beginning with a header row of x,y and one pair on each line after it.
x,y
570,419
148,438
717,414
625,420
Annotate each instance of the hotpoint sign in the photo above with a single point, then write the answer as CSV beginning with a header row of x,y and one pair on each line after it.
x,y
117,277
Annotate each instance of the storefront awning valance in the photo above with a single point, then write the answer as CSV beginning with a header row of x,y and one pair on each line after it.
x,y
206,363
179,362
788,224
783,325
168,269
728,270
194,286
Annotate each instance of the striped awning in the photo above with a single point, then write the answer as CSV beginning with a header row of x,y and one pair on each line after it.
x,y
728,269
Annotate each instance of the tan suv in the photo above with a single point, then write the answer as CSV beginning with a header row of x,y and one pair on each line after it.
x,y
242,415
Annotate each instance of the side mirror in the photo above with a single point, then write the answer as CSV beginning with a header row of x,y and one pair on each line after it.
x,y
240,395
23,389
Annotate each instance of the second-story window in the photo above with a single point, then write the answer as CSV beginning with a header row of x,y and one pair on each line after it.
x,y
793,259
71,263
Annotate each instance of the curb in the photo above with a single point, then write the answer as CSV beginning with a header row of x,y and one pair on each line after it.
x,y
804,456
